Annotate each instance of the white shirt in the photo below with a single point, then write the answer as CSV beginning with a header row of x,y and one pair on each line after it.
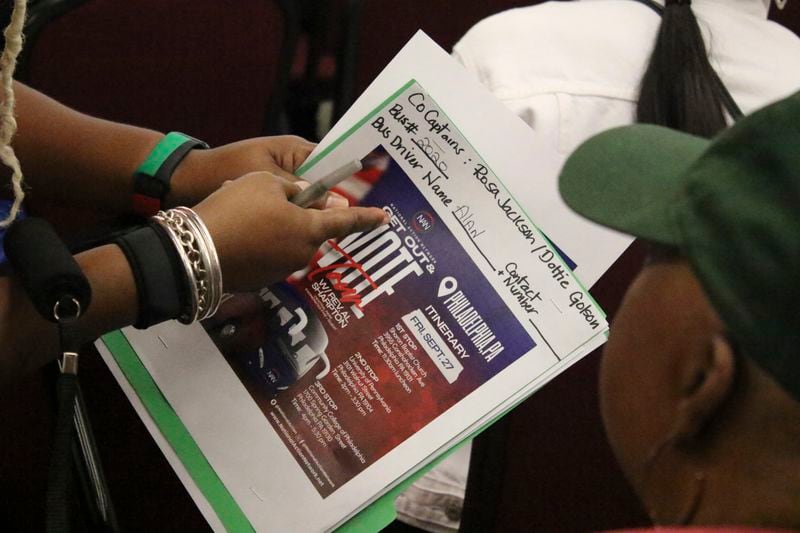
x,y
434,501
571,70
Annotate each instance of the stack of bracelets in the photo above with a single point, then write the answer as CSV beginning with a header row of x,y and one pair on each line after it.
x,y
173,259
199,259
176,268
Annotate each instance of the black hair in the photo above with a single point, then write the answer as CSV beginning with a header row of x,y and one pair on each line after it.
x,y
680,88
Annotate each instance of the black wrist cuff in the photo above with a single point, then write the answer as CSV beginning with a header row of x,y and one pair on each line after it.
x,y
161,284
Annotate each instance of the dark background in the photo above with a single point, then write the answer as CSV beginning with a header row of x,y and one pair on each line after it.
x,y
225,70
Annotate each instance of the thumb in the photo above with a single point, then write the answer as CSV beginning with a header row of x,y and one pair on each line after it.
x,y
339,222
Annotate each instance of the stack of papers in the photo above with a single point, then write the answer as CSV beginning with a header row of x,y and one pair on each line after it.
x,y
298,407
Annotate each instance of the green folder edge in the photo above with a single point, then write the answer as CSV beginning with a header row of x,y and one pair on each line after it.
x,y
374,517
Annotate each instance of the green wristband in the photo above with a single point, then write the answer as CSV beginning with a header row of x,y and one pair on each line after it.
x,y
151,181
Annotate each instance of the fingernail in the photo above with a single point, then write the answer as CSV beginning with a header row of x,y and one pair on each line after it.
x,y
336,200
302,184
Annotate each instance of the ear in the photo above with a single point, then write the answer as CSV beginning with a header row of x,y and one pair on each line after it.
x,y
707,385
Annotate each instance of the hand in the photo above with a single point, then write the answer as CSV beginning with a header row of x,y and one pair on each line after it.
x,y
261,237
203,171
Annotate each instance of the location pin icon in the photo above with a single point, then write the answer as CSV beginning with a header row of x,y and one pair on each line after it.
x,y
447,286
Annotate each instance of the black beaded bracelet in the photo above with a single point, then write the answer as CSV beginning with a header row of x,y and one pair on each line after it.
x,y
161,285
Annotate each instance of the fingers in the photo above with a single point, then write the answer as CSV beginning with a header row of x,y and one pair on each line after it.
x,y
290,151
340,222
300,150
292,187
271,179
283,174
294,143
336,200
328,200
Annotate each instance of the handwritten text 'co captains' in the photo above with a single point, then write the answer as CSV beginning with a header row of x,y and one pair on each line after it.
x,y
433,118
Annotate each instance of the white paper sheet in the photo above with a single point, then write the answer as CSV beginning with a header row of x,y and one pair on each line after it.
x,y
529,167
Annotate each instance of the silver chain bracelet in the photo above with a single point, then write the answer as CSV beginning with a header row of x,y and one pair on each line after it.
x,y
200,261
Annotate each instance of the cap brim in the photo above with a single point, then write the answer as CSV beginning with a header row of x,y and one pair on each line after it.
x,y
630,178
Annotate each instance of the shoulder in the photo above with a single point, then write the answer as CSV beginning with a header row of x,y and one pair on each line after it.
x,y
560,45
541,23
529,26
756,58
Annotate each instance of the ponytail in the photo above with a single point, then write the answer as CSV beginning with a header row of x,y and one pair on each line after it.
x,y
680,89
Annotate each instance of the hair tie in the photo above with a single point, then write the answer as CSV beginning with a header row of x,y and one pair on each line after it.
x,y
668,3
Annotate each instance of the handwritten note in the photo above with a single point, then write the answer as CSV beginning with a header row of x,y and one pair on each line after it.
x,y
526,268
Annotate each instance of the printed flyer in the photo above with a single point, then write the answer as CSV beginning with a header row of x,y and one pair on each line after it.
x,y
384,330
297,406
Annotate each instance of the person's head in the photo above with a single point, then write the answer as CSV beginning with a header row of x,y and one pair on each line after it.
x,y
700,381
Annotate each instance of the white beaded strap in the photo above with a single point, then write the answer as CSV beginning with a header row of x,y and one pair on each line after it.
x,y
200,261
8,121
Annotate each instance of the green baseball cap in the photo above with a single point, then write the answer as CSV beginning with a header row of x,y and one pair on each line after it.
x,y
731,205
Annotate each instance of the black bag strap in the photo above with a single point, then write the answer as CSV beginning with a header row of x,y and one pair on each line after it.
x,y
59,478
61,293
728,102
